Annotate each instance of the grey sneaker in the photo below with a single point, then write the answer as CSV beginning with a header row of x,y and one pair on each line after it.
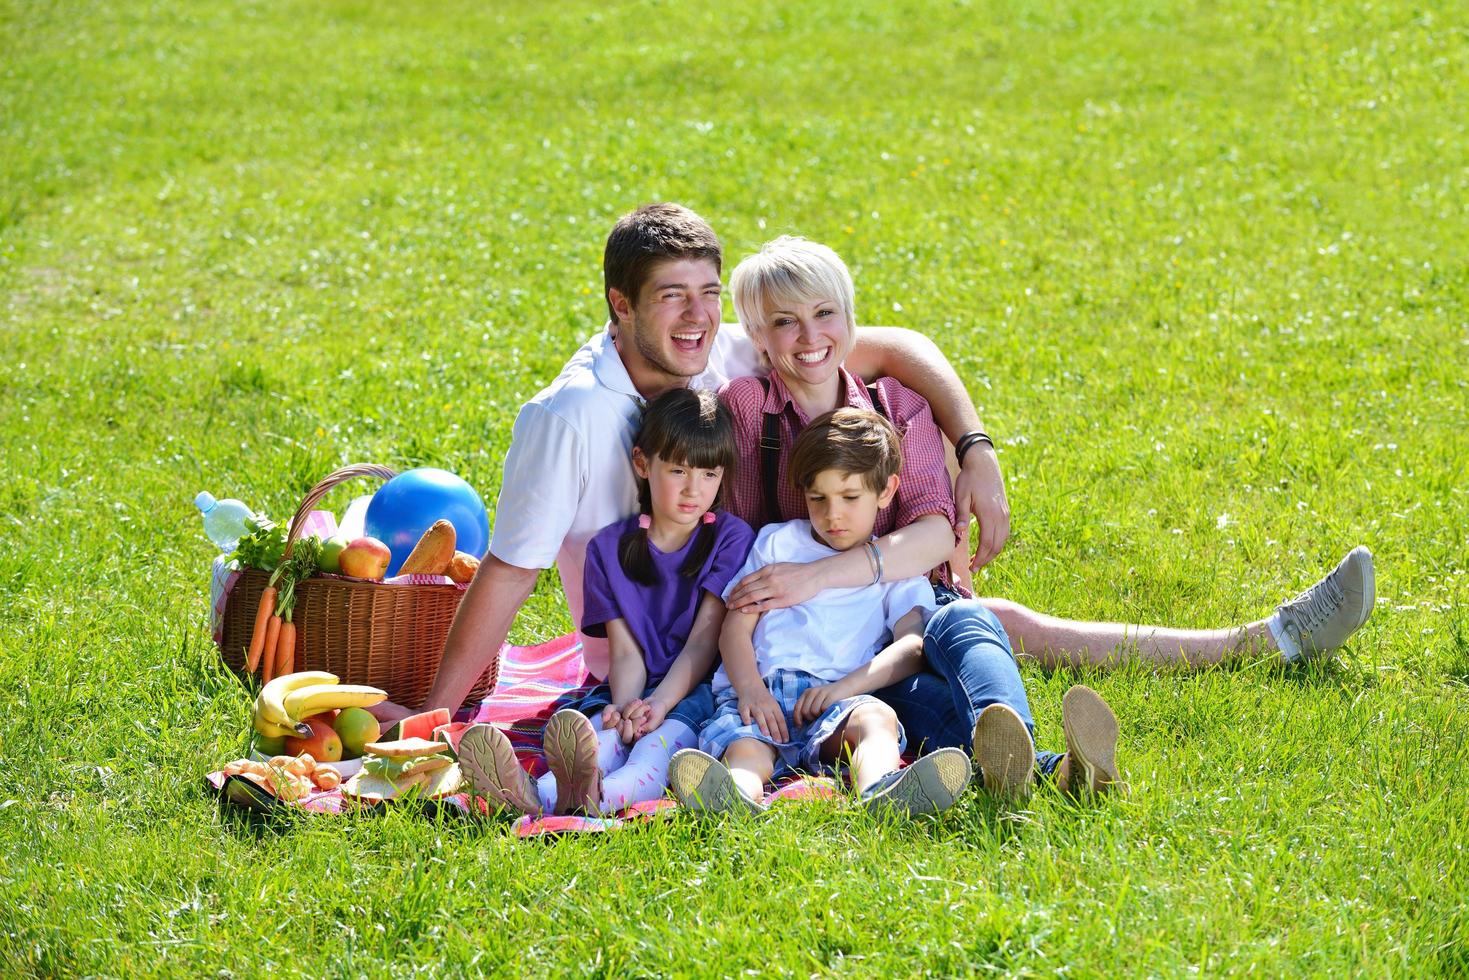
x,y
929,785
703,784
487,759
1321,619
570,746
1090,764
1004,752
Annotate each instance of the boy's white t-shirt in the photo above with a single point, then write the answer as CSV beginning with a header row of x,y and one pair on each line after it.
x,y
568,472
835,631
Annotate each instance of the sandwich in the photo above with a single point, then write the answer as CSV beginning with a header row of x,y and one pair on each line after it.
x,y
410,765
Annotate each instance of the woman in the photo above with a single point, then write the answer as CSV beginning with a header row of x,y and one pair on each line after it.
x,y
795,298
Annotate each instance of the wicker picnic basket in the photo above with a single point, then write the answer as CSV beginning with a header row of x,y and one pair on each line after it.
x,y
387,635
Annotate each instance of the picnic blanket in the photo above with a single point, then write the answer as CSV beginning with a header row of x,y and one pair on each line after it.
x,y
534,683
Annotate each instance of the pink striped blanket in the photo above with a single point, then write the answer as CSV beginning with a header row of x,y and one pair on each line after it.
x,y
535,682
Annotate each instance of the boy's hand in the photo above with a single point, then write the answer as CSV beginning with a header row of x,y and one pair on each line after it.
x,y
759,707
814,701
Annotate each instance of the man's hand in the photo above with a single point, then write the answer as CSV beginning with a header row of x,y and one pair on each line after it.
x,y
776,586
759,707
979,493
814,701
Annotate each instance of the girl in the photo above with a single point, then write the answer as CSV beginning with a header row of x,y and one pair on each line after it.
x,y
652,586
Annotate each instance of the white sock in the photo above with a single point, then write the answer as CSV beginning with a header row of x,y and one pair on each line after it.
x,y
644,776
611,754
1288,649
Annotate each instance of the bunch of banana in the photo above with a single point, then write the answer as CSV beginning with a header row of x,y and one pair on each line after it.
x,y
281,704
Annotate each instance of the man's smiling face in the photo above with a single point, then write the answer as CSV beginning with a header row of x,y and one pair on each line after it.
x,y
666,335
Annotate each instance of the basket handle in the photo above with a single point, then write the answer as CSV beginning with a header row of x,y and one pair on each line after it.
x,y
326,486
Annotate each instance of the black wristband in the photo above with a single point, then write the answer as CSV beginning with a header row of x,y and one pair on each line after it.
x,y
967,442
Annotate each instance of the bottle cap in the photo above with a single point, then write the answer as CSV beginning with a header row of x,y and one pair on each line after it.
x,y
204,501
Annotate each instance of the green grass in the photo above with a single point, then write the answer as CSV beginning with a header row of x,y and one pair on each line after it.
x,y
1202,265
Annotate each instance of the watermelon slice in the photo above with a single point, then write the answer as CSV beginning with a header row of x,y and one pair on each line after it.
x,y
421,725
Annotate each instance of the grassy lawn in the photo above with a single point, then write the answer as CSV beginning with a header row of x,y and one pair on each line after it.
x,y
1205,268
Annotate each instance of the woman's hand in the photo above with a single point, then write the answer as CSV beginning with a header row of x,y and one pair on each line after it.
x,y
776,586
759,707
979,492
813,701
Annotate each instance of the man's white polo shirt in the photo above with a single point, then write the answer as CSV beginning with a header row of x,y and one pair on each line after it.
x,y
569,474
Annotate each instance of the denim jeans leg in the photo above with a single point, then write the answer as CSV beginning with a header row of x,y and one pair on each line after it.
x,y
926,710
967,646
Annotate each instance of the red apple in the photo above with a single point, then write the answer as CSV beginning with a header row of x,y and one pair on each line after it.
x,y
365,558
325,745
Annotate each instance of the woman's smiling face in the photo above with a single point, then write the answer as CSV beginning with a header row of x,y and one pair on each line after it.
x,y
806,340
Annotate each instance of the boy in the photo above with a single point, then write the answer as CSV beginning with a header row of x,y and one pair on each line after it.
x,y
795,687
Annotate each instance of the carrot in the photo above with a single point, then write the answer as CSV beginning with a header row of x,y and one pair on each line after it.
x,y
257,637
272,638
285,649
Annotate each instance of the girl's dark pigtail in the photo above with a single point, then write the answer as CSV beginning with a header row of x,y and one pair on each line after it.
x,y
635,557
699,553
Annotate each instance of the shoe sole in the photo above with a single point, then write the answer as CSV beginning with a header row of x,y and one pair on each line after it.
x,y
929,785
1369,583
570,747
488,759
704,785
1091,741
1004,752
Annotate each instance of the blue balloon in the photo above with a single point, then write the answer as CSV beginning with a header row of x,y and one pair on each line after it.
x,y
409,503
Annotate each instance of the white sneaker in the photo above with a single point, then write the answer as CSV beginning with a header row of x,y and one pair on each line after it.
x,y
703,784
1320,620
930,784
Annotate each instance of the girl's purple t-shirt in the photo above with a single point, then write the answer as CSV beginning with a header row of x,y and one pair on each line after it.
x,y
659,616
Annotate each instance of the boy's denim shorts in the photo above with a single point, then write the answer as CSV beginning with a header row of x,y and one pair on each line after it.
x,y
694,710
803,751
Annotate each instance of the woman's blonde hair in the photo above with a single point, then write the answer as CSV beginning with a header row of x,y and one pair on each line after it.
x,y
792,269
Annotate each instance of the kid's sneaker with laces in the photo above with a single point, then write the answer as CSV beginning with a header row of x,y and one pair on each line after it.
x,y
1004,752
487,759
1321,619
703,784
929,785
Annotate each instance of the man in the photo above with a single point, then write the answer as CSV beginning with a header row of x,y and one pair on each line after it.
x,y
568,474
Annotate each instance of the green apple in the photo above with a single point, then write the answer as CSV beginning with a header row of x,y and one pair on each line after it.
x,y
331,554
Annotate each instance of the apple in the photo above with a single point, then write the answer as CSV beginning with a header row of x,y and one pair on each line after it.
x,y
325,745
365,558
331,553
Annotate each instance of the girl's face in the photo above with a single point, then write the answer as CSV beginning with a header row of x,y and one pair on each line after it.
x,y
806,341
681,494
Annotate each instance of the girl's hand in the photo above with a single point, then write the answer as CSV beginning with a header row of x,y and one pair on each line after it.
x,y
611,717
759,707
814,701
654,716
776,586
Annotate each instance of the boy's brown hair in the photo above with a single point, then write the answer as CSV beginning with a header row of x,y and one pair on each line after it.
x,y
851,441
652,234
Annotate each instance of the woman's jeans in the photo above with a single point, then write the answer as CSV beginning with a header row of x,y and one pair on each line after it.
x,y
970,666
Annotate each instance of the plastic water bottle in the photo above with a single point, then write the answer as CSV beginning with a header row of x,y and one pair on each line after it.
x,y
224,520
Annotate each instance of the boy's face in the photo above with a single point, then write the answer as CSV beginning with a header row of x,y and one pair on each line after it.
x,y
844,509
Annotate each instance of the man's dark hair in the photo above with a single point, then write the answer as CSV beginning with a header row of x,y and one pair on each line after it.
x,y
652,234
852,441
